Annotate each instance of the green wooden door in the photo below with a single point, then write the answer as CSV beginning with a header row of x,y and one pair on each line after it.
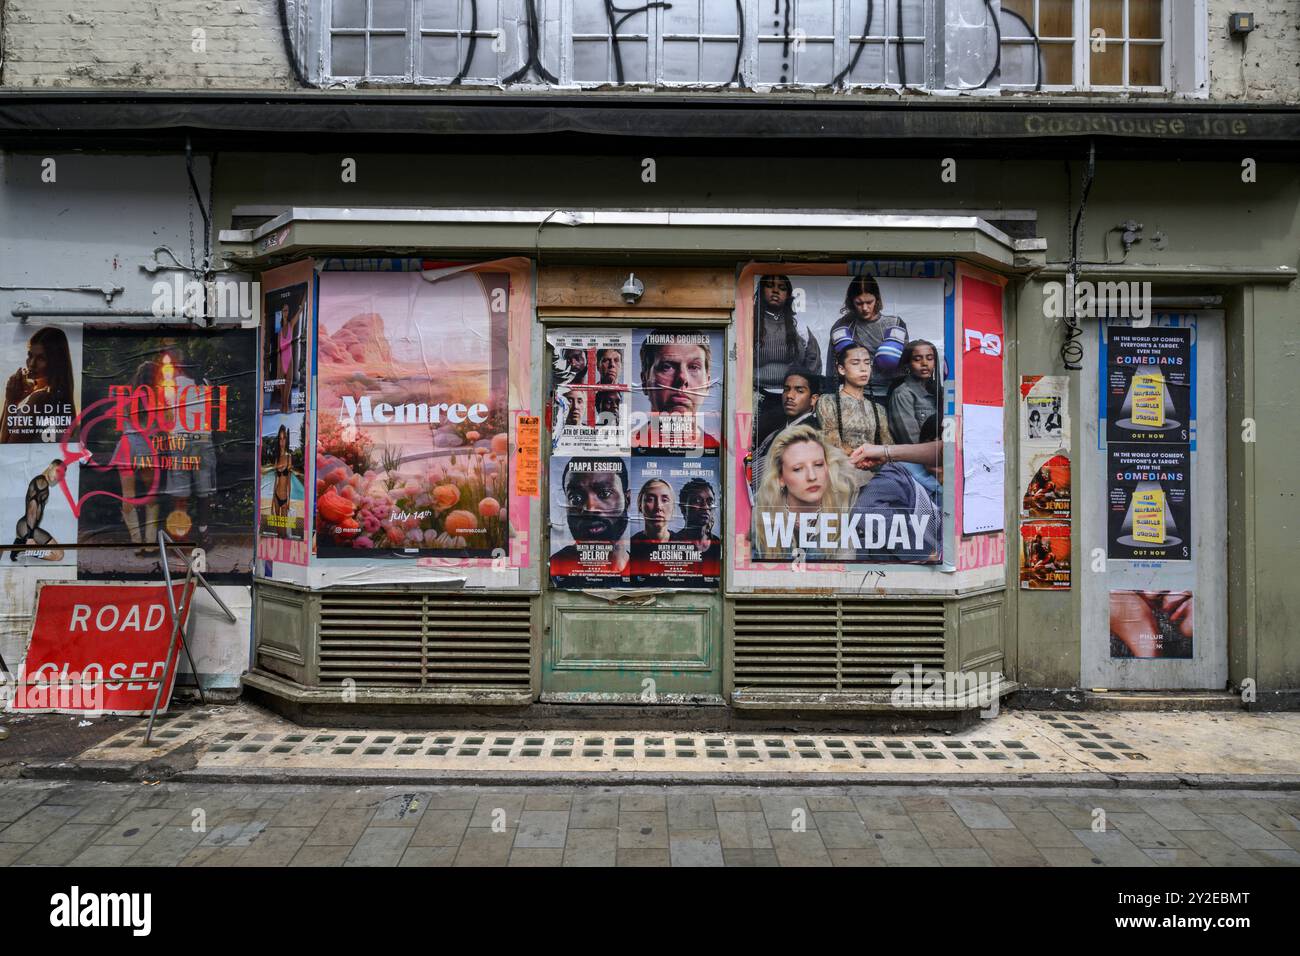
x,y
666,652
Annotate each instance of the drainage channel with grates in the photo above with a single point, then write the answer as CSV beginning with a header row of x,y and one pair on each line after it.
x,y
637,747
1078,731
1044,743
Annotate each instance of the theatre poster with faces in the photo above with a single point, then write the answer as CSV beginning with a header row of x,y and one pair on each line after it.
x,y
846,455
635,420
1149,409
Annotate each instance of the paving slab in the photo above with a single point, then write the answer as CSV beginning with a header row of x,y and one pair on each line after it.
x,y
929,826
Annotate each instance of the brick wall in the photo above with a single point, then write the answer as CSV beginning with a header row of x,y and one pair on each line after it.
x,y
143,44
1269,69
148,44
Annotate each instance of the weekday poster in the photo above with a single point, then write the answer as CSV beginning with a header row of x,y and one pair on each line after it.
x,y
168,425
412,456
1149,502
844,366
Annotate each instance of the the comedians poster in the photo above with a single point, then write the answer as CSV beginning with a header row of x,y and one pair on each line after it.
x,y
1149,502
168,423
848,375
590,393
1148,385
643,513
412,443
1045,555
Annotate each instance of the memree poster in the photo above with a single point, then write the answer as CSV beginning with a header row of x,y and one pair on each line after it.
x,y
412,455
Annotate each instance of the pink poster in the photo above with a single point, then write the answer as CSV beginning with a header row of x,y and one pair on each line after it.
x,y
412,436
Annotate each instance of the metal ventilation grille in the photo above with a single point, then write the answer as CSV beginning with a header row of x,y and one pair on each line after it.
x,y
833,645
429,641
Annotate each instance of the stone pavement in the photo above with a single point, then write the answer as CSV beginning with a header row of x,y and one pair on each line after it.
x,y
47,823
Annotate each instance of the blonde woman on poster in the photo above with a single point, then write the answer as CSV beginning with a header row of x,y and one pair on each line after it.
x,y
804,473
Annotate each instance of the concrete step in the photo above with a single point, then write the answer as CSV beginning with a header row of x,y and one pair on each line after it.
x,y
1162,700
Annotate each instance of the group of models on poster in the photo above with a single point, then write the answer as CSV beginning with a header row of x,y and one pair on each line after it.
x,y
847,460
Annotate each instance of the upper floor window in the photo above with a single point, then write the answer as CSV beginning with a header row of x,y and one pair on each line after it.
x,y
1085,44
1016,45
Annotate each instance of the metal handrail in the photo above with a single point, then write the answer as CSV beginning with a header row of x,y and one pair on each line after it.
x,y
192,574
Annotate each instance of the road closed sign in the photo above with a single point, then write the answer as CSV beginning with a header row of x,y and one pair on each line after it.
x,y
96,648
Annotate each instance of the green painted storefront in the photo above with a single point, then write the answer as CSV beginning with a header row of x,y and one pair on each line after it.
x,y
1229,258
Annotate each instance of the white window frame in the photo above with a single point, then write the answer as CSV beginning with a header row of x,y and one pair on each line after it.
x,y
1173,46
1184,49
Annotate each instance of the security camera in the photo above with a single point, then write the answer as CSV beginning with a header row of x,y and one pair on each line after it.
x,y
633,289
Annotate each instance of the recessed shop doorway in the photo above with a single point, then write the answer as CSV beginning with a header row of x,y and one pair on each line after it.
x,y
1153,494
634,499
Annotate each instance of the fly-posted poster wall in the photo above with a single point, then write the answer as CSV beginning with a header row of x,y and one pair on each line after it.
x,y
109,435
852,459
112,434
394,461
